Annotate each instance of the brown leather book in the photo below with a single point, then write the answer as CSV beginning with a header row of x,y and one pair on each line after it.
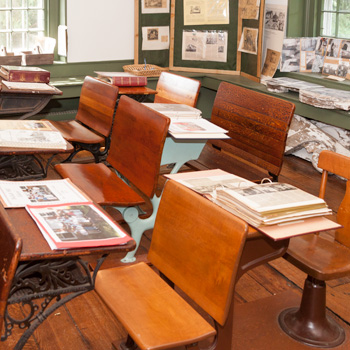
x,y
122,78
25,74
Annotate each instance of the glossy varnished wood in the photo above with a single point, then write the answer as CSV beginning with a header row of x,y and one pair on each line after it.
x,y
153,314
87,324
10,250
174,88
321,259
258,127
137,142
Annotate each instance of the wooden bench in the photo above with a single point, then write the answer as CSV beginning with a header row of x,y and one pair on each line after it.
x,y
92,126
197,246
258,127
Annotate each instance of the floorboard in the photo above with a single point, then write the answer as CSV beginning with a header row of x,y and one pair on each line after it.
x,y
86,324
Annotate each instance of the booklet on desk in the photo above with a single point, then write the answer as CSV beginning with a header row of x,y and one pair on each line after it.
x,y
293,213
175,110
17,194
76,225
196,128
19,138
42,125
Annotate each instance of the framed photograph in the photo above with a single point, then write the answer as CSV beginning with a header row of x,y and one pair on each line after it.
x,y
155,6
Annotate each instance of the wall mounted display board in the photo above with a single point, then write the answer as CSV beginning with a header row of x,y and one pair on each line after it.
x,y
250,23
204,35
152,33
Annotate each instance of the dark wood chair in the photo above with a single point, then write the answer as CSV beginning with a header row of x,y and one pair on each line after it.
x,y
322,259
10,251
135,153
174,88
198,253
91,128
258,127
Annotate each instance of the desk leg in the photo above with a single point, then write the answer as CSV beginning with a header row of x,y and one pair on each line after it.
x,y
257,250
47,280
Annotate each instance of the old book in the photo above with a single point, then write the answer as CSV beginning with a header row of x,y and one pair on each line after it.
x,y
122,78
18,194
25,74
39,88
196,128
76,225
278,210
175,110
18,138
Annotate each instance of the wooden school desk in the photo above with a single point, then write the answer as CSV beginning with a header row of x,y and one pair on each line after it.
x,y
24,103
139,93
57,276
25,163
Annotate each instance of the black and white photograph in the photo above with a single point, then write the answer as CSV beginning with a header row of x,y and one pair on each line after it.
x,y
345,49
155,6
333,48
275,20
290,61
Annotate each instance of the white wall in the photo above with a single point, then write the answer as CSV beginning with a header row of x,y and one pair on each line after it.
x,y
103,33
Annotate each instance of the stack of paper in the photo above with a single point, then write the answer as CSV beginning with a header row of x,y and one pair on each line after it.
x,y
276,209
271,203
175,110
196,128
65,216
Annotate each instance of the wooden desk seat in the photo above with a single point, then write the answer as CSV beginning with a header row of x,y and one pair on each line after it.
x,y
174,88
258,126
199,253
137,142
92,126
322,259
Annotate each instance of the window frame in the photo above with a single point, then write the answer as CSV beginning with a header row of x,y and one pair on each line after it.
x,y
337,12
55,14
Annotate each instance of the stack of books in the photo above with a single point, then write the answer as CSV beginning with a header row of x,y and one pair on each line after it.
x,y
26,79
277,209
186,122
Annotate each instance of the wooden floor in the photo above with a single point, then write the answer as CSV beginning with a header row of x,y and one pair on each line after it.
x,y
85,323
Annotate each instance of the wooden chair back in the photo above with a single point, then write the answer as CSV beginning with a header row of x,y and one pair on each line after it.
x,y
258,125
10,251
335,163
97,105
173,88
137,142
198,245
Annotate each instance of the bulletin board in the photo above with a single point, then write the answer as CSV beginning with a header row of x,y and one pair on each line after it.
x,y
236,63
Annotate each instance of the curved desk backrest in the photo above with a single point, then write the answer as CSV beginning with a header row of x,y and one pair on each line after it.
x,y
174,88
258,125
97,105
335,163
137,142
198,246
10,251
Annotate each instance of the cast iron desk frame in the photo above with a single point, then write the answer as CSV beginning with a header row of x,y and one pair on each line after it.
x,y
23,104
56,276
25,164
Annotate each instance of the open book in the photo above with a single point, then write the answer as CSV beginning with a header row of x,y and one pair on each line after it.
x,y
16,194
196,128
175,110
42,125
76,225
32,139
278,210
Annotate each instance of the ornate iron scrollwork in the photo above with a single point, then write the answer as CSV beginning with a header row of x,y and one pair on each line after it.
x,y
48,280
